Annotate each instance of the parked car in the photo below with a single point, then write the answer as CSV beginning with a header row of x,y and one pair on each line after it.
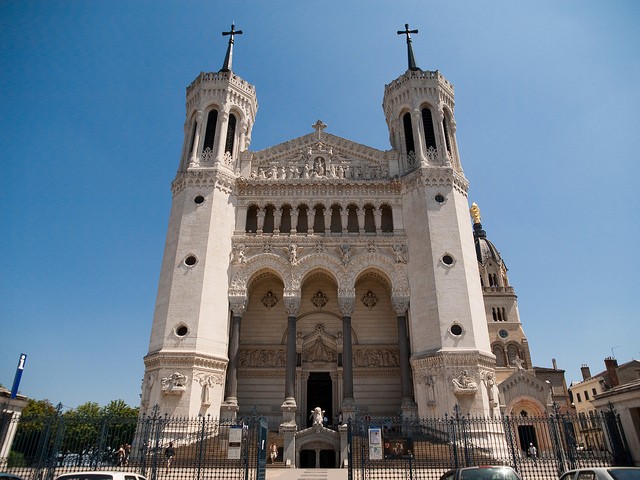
x,y
488,472
602,473
101,475
9,476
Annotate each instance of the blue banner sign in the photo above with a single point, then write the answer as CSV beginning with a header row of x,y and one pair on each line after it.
x,y
16,380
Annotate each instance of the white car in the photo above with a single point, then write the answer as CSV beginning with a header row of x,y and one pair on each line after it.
x,y
101,475
602,473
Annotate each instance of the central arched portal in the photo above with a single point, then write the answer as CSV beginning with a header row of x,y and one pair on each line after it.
x,y
320,394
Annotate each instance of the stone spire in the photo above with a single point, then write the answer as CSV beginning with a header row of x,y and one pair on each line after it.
x,y
228,58
412,60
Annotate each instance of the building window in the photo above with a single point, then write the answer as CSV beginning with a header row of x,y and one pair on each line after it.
x,y
231,134
210,133
268,219
579,397
593,391
352,219
446,134
408,133
252,219
499,353
429,131
386,223
586,395
369,219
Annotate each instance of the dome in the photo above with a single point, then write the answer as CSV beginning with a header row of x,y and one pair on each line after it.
x,y
485,250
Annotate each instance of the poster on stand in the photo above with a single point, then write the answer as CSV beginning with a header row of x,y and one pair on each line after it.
x,y
235,442
375,443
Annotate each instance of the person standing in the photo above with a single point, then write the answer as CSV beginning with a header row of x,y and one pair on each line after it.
x,y
533,451
169,453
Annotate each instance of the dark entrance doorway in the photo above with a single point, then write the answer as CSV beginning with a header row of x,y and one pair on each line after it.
x,y
319,394
310,458
527,434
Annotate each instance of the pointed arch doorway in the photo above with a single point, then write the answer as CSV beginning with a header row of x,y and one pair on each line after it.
x,y
320,394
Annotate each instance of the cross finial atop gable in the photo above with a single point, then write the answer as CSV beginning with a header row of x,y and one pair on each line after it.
x,y
319,127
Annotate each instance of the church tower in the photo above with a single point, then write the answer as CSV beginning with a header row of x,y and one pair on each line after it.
x,y
451,356
508,341
187,359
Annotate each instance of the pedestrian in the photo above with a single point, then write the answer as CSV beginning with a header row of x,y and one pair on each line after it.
x,y
169,453
533,451
273,452
120,455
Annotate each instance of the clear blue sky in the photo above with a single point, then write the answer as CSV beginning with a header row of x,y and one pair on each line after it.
x,y
92,99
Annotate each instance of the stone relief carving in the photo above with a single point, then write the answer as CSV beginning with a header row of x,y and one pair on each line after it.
x,y
147,384
262,357
399,251
319,299
345,253
369,299
464,384
371,357
175,384
270,299
239,254
319,352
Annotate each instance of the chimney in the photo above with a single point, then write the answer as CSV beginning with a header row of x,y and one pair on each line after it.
x,y
586,373
554,363
612,371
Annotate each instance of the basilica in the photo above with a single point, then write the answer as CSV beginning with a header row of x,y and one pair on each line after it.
x,y
323,273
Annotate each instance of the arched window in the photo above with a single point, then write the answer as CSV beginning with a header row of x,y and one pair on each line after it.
x,y
268,219
387,219
231,134
369,220
318,219
445,127
193,137
429,131
285,219
303,221
499,353
210,133
408,133
252,219
336,222
512,353
352,219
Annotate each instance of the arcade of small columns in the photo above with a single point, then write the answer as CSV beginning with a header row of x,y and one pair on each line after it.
x,y
292,306
352,218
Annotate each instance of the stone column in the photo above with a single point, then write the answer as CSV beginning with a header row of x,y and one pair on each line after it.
x,y
400,306
260,213
418,134
440,140
294,219
377,217
289,406
196,139
277,218
221,134
361,213
344,219
230,405
348,402
327,220
311,219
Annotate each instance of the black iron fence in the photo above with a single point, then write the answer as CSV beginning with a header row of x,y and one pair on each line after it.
x,y
203,447
537,447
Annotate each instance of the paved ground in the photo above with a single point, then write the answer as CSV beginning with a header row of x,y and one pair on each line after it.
x,y
307,474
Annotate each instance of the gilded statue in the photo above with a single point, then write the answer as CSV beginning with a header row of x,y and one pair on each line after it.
x,y
475,212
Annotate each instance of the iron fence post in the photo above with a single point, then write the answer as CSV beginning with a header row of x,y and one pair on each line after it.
x,y
555,437
510,440
617,439
200,448
51,463
349,451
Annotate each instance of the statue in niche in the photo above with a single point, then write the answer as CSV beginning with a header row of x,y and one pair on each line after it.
x,y
293,250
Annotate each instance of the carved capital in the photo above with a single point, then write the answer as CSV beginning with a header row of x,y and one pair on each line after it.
x,y
346,305
400,305
238,305
292,305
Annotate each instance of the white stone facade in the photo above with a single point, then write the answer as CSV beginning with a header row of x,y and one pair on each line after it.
x,y
320,272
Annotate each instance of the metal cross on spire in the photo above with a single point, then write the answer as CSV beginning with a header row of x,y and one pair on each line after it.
x,y
407,32
229,56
